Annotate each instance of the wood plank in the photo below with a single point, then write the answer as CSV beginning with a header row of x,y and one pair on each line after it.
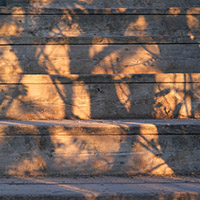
x,y
99,59
142,28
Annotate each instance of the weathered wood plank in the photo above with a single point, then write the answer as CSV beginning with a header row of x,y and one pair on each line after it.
x,y
107,100
99,59
142,28
92,155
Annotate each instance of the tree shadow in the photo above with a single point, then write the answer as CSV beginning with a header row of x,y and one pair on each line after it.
x,y
75,99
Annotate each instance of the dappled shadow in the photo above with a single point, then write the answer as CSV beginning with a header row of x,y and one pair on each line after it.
x,y
78,64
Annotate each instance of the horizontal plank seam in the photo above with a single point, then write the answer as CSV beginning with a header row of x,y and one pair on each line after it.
x,y
103,43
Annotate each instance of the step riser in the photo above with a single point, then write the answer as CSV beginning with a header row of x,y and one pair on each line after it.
x,y
99,59
103,3
159,28
44,97
59,151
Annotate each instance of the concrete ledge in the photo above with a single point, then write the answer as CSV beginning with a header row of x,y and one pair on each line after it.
x,y
99,78
99,147
112,40
67,28
99,59
100,188
100,127
128,96
100,11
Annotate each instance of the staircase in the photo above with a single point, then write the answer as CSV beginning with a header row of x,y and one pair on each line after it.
x,y
100,88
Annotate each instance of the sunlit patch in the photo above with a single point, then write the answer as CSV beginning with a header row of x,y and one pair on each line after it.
x,y
11,28
174,11
89,194
41,3
81,101
81,8
54,59
62,30
127,60
193,22
86,1
148,153
95,49
192,37
9,62
193,10
32,165
17,10
123,94
152,49
95,153
137,28
173,101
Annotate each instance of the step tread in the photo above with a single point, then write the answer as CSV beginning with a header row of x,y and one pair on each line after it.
x,y
99,78
105,127
102,11
99,40
101,188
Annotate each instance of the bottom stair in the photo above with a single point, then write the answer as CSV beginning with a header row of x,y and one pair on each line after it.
x,y
99,147
101,188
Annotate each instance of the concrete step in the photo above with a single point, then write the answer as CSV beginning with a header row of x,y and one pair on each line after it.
x,y
99,40
103,3
99,147
129,96
99,59
170,26
101,188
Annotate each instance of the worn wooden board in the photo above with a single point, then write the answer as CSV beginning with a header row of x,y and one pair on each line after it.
x,y
143,28
99,59
76,99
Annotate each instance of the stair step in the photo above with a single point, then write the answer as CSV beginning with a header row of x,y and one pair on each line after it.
x,y
145,28
103,3
99,59
131,10
99,147
114,188
28,97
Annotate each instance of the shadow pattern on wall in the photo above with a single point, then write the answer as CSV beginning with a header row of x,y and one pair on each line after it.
x,y
87,64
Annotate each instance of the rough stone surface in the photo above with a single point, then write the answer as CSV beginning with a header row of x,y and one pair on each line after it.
x,y
181,10
104,3
80,97
156,28
73,148
99,59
